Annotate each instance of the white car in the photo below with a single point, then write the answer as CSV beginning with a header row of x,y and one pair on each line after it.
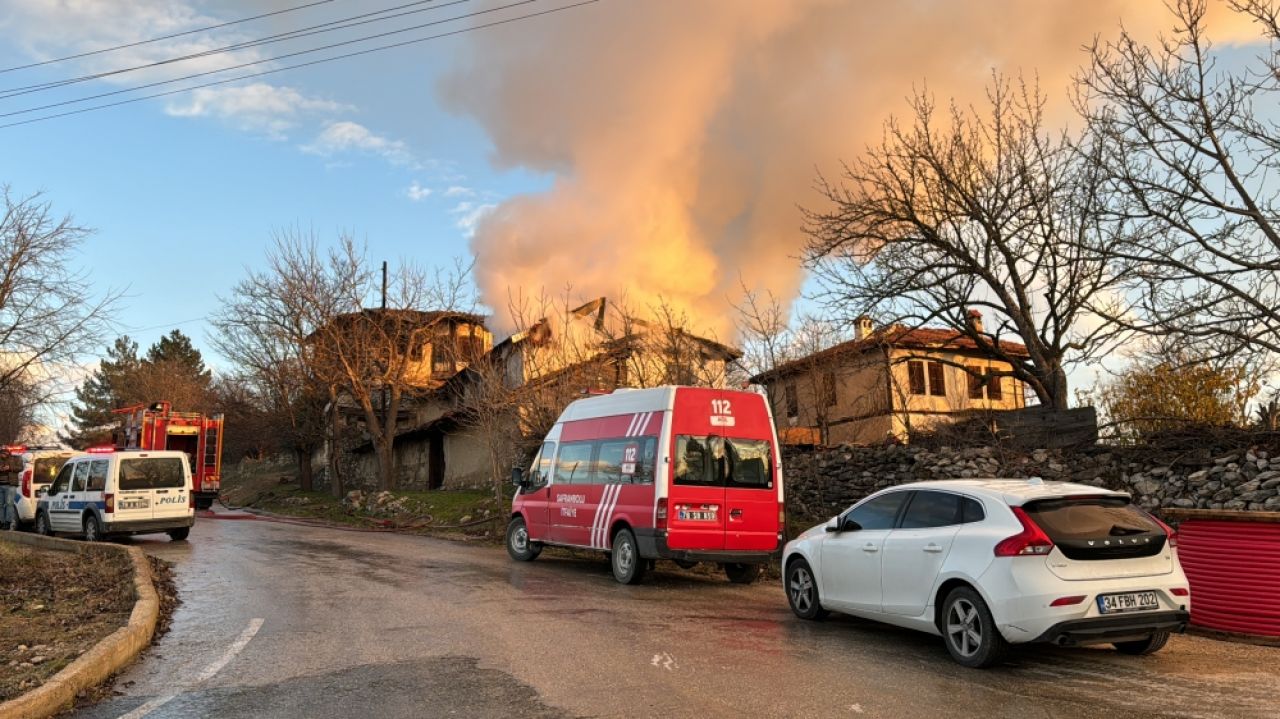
x,y
24,474
991,563
114,493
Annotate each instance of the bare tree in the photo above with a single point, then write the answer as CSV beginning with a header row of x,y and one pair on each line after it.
x,y
968,210
49,314
1190,148
17,412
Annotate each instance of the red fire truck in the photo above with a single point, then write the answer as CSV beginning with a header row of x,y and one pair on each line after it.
x,y
157,427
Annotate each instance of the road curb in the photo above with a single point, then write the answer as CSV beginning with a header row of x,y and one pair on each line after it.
x,y
108,656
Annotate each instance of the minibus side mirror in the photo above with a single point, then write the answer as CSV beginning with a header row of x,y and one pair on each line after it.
x,y
517,476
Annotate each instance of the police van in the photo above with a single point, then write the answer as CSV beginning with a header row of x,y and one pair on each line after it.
x,y
108,492
24,472
690,474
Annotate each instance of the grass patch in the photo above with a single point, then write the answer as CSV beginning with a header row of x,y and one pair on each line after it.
x,y
55,606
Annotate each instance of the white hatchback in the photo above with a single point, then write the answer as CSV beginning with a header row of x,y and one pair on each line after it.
x,y
991,563
128,492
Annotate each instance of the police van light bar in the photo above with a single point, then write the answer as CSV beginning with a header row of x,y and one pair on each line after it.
x,y
14,448
101,450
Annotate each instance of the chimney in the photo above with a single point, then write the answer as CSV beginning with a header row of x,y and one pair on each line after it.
x,y
974,321
864,327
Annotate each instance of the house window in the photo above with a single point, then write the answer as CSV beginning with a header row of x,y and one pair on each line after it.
x,y
829,389
793,401
915,374
995,389
975,381
937,383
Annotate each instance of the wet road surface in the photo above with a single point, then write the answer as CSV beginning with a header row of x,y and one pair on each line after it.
x,y
281,620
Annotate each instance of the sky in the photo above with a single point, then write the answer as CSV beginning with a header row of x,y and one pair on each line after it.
x,y
658,149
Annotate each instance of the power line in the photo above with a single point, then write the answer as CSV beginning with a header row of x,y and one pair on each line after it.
x,y
301,65
164,37
251,63
279,37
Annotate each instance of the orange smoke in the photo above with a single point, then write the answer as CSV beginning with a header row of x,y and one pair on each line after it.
x,y
683,136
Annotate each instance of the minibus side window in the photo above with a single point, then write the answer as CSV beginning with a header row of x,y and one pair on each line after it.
x,y
614,466
82,474
98,474
573,466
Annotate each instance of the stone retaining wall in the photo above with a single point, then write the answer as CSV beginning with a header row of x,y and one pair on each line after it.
x,y
822,482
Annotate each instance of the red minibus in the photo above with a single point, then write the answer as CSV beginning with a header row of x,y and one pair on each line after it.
x,y
691,474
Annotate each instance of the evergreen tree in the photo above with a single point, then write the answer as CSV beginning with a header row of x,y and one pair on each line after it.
x,y
106,389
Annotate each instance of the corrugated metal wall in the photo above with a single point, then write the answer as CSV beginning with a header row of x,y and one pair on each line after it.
x,y
1234,570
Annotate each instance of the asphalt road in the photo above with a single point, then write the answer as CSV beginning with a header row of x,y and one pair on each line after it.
x,y
279,620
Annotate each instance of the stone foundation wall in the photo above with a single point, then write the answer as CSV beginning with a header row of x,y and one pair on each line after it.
x,y
823,482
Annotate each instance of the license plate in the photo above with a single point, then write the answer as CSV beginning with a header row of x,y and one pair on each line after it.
x,y
135,503
698,516
1128,602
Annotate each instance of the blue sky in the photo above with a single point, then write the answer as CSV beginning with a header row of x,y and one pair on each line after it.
x,y
183,192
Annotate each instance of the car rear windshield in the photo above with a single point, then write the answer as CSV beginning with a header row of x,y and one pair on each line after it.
x,y
46,468
715,461
151,473
1090,518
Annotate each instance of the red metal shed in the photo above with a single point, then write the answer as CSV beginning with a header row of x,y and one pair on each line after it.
x,y
1232,560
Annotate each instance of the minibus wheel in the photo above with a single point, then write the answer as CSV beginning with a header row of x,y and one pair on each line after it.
x,y
628,566
741,573
518,544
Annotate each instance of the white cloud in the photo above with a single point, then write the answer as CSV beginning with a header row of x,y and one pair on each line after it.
x,y
347,136
417,192
459,191
257,107
467,215
44,30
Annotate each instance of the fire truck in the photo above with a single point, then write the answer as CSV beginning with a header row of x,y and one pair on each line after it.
x,y
158,427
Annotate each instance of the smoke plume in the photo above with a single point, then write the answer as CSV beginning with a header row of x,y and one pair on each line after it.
x,y
682,136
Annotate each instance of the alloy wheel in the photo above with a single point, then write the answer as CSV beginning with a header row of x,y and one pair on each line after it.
x,y
801,589
964,627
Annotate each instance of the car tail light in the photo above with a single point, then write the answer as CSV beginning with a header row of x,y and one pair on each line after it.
x,y
1031,541
1067,601
25,488
662,513
110,500
1180,592
1169,531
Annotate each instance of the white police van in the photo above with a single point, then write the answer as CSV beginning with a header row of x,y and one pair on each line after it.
x,y
119,492
24,473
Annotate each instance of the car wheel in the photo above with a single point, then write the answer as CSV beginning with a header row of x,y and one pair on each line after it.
x,y
628,566
969,630
1140,647
518,544
42,525
802,591
741,573
179,534
92,529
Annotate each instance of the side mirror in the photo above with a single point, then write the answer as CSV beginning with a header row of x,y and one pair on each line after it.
x,y
517,476
833,524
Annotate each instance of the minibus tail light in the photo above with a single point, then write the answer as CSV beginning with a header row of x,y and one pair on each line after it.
x,y
110,500
661,514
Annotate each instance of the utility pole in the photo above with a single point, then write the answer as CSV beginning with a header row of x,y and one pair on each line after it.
x,y
384,319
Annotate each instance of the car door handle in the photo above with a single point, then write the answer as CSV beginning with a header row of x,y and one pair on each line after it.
x,y
933,548
870,548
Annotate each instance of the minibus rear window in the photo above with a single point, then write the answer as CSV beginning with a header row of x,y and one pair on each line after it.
x,y
151,473
714,461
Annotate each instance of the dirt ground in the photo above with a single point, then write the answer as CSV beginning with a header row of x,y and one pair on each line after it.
x,y
54,606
